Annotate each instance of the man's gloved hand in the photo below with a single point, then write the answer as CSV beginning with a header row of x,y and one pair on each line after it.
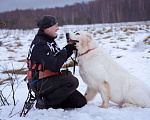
x,y
69,48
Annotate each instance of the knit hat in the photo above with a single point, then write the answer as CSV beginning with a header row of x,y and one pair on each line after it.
x,y
47,21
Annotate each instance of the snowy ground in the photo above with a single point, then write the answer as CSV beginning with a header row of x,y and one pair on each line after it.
x,y
127,43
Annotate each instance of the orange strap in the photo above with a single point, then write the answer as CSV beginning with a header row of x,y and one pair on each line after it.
x,y
44,74
47,73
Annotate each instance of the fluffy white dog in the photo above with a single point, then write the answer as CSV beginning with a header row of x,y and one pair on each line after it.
x,y
102,74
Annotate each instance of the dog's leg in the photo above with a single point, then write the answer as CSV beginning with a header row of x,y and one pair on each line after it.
x,y
90,94
129,105
105,94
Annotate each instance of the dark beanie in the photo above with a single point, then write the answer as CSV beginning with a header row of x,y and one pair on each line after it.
x,y
47,21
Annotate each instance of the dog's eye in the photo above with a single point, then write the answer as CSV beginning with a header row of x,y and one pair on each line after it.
x,y
77,33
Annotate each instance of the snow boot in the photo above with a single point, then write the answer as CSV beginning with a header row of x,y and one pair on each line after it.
x,y
40,104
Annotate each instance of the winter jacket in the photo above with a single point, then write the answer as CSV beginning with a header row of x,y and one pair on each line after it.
x,y
45,53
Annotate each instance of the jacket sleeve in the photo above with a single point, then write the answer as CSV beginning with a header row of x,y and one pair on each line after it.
x,y
42,54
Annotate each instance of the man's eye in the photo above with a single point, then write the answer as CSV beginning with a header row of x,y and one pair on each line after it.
x,y
77,33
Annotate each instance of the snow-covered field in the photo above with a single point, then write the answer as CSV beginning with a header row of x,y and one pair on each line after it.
x,y
127,43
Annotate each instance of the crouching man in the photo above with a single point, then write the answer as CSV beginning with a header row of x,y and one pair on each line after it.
x,y
44,62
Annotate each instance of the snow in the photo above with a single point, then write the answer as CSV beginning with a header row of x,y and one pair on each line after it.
x,y
123,41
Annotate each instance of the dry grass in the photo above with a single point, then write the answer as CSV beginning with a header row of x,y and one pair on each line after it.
x,y
19,44
100,32
131,29
23,56
128,33
125,30
113,42
10,50
123,48
118,56
1,82
1,43
7,79
70,64
61,36
24,60
107,37
10,46
17,38
122,40
17,71
147,40
94,34
110,30
11,58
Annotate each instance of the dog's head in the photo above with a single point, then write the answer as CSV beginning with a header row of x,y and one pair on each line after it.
x,y
83,40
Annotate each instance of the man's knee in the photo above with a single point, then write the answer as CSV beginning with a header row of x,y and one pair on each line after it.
x,y
74,81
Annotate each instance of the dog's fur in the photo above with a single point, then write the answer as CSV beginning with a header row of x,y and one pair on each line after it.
x,y
105,76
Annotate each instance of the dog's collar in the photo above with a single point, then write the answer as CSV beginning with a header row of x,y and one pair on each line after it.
x,y
86,52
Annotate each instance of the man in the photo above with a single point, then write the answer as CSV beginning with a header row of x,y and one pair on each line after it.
x,y
44,62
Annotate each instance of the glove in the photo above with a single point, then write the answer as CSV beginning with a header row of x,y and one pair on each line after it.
x,y
69,48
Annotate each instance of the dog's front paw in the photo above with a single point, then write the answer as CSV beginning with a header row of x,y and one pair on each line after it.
x,y
103,106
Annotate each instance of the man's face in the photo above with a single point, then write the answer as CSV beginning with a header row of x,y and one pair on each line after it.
x,y
51,31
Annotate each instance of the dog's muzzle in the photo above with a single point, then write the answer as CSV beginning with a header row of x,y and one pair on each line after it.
x,y
70,41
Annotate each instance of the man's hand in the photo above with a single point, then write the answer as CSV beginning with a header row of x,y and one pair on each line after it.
x,y
69,48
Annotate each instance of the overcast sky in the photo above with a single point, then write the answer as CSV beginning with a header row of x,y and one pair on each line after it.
x,y
8,5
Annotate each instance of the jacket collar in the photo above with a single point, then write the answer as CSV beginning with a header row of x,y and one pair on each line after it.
x,y
48,38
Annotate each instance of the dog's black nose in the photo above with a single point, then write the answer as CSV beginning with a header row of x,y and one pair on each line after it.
x,y
67,35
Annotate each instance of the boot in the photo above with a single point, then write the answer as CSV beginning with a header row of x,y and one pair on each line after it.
x,y
40,104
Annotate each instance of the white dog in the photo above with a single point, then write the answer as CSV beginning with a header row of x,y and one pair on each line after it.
x,y
102,74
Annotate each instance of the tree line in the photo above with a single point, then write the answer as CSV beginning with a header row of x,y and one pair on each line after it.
x,y
98,11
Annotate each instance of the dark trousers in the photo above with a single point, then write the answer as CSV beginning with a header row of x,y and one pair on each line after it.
x,y
60,92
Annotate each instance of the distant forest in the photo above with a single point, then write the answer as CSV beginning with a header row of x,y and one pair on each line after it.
x,y
98,11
